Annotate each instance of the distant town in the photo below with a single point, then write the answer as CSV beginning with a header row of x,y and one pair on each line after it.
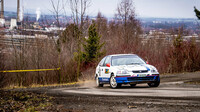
x,y
17,26
33,26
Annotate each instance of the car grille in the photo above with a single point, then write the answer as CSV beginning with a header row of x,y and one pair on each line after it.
x,y
140,78
140,71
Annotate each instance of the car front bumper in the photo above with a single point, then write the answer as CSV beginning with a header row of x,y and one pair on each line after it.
x,y
135,79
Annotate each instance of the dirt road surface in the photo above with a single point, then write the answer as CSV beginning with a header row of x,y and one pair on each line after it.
x,y
176,93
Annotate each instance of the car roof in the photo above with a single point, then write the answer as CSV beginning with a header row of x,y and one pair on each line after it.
x,y
121,54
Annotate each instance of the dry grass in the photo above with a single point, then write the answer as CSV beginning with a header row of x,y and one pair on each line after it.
x,y
47,53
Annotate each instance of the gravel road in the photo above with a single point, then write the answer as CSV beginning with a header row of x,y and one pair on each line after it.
x,y
176,93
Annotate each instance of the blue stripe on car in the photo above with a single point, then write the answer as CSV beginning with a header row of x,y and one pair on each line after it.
x,y
147,68
136,79
104,79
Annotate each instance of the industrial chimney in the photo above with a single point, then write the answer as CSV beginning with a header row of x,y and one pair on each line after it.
x,y
2,9
18,10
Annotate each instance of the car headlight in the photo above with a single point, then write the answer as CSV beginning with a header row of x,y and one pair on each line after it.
x,y
154,70
122,72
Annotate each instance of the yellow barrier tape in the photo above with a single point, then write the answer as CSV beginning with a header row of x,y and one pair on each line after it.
x,y
33,70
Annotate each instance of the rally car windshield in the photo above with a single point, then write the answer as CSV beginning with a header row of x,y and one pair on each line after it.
x,y
126,60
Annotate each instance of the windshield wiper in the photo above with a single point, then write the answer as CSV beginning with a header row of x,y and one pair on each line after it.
x,y
133,63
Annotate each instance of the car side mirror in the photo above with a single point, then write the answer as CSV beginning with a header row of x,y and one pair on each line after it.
x,y
108,64
147,62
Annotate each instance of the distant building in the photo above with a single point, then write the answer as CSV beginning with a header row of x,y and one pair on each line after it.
x,y
13,23
2,22
7,24
36,25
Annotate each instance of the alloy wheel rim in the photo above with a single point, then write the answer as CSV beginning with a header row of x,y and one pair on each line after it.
x,y
113,82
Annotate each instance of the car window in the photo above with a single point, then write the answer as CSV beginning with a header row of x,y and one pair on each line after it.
x,y
102,61
126,60
106,61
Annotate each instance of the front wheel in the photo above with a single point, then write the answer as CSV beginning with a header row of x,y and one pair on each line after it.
x,y
113,83
97,82
154,84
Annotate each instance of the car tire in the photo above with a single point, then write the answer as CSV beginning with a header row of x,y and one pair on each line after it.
x,y
113,83
97,82
154,84
132,85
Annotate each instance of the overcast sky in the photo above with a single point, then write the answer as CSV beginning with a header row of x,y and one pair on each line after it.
x,y
144,8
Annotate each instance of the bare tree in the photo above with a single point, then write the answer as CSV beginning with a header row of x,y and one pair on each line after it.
x,y
68,40
57,9
126,17
78,9
125,10
2,65
102,28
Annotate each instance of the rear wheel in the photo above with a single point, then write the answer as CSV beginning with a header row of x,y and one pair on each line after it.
x,y
154,84
113,83
98,83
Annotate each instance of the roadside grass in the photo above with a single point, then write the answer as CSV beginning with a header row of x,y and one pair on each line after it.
x,y
46,85
84,81
87,80
196,82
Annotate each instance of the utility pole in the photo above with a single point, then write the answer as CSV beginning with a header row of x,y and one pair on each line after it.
x,y
18,10
2,9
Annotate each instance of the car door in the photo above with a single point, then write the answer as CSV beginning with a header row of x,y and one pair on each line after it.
x,y
100,66
105,69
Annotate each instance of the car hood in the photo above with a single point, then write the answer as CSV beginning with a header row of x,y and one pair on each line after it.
x,y
134,67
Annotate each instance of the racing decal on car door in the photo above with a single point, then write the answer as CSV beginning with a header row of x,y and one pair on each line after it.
x,y
106,71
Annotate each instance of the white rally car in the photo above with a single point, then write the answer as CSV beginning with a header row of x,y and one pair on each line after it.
x,y
125,69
